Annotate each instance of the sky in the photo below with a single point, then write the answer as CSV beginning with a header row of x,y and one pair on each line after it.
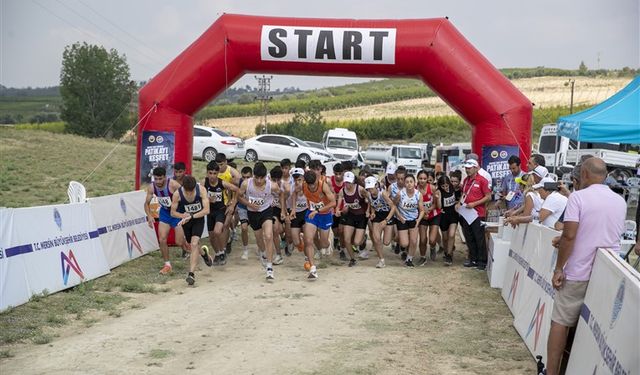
x,y
151,33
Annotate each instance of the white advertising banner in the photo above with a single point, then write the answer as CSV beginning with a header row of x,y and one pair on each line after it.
x,y
607,338
527,287
47,248
497,255
122,225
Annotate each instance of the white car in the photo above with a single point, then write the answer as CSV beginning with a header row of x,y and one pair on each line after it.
x,y
275,147
208,142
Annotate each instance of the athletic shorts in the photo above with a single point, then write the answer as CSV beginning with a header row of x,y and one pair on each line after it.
x,y
356,221
242,215
409,224
276,214
165,217
322,221
298,222
214,217
256,219
433,221
381,216
568,302
447,220
336,222
193,227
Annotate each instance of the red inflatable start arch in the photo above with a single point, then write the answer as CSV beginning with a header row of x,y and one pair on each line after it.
x,y
429,49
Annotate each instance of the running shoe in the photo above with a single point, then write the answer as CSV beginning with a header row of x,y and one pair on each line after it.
x,y
216,260
355,248
403,256
408,263
396,248
364,254
223,259
227,249
270,274
422,261
278,260
191,278
363,245
245,255
352,262
481,266
287,251
207,258
380,264
313,273
448,260
343,256
468,263
167,269
185,254
432,253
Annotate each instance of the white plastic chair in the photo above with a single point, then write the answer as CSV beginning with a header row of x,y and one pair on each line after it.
x,y
553,176
76,192
629,230
633,191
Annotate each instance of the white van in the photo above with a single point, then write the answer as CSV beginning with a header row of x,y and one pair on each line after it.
x,y
341,143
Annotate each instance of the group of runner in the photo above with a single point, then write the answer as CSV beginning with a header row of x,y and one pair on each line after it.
x,y
296,206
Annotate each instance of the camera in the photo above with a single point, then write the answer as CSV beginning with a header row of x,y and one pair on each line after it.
x,y
550,186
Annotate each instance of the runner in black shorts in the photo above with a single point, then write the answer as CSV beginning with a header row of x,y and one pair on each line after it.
x,y
448,218
299,208
190,203
218,191
430,225
243,217
355,202
381,211
279,210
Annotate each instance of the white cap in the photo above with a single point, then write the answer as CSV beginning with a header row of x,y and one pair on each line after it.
x,y
391,168
297,172
470,163
370,182
544,180
540,171
349,177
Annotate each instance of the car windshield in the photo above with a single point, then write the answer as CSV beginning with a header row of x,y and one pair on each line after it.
x,y
346,143
409,153
300,142
221,133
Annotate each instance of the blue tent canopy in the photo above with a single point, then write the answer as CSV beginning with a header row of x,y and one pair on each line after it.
x,y
616,120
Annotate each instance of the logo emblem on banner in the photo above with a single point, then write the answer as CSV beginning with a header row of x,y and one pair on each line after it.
x,y
123,205
617,304
132,241
536,321
57,218
514,286
69,263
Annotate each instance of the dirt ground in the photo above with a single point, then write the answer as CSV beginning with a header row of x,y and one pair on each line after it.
x,y
361,320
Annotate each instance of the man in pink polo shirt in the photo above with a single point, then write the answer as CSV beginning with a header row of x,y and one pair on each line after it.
x,y
475,193
594,218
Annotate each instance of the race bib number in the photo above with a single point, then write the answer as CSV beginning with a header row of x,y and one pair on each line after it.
x,y
377,205
317,206
409,205
193,207
275,202
353,206
256,201
164,201
215,196
301,204
427,204
449,201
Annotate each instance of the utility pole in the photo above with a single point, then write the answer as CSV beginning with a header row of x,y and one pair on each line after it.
x,y
264,87
571,82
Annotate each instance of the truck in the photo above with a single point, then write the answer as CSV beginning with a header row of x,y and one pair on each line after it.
x,y
377,156
454,154
561,153
342,144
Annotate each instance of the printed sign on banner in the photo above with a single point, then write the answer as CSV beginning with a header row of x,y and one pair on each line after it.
x,y
47,248
123,228
608,334
157,151
495,161
514,270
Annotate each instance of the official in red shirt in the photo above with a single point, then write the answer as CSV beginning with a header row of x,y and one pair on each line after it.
x,y
475,193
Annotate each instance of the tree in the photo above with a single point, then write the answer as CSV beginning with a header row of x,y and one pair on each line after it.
x,y
582,69
96,90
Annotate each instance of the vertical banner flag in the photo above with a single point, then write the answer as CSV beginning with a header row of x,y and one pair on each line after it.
x,y
494,161
157,151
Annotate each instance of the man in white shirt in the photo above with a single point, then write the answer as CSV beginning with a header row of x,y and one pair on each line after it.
x,y
553,204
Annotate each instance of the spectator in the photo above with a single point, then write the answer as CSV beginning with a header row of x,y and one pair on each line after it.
x,y
534,161
481,171
553,204
510,190
532,204
475,193
594,218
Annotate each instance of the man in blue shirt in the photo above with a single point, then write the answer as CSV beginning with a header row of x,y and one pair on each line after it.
x,y
510,190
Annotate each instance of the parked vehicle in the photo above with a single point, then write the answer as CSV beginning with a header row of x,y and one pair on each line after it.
x,y
275,147
455,154
377,157
564,152
317,145
341,143
208,142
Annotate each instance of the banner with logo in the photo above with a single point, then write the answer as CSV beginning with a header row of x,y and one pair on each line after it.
x,y
157,151
122,225
47,249
527,288
495,161
608,334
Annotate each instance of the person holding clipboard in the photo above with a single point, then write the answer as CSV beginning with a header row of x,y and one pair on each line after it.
x,y
475,193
